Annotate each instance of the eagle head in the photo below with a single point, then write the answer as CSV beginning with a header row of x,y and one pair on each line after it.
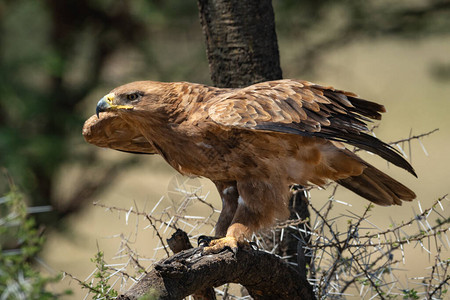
x,y
139,95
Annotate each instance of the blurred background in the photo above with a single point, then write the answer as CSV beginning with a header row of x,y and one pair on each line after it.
x,y
58,58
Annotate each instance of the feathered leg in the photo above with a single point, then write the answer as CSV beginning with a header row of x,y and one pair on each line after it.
x,y
229,195
259,203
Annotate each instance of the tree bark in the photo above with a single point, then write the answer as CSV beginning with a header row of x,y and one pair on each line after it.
x,y
264,275
179,242
241,42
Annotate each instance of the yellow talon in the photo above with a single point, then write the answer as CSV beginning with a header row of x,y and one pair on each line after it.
x,y
216,246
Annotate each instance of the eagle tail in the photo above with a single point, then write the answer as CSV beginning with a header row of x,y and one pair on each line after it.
x,y
378,187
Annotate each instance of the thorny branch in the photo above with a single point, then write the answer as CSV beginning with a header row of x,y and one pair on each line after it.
x,y
415,137
369,277
405,140
433,231
375,248
150,219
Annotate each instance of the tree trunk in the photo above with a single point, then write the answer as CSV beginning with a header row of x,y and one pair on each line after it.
x,y
241,41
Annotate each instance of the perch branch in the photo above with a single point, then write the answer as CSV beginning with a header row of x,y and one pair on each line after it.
x,y
179,242
264,275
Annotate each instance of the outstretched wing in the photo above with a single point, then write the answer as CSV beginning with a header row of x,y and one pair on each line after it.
x,y
110,131
304,108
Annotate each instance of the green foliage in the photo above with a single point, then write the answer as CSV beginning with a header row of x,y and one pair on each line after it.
x,y
20,243
410,294
100,287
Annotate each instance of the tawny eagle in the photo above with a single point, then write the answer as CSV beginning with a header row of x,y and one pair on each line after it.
x,y
253,143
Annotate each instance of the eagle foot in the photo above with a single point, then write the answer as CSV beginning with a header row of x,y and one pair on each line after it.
x,y
216,246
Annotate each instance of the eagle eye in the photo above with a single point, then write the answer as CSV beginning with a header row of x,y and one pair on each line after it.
x,y
132,97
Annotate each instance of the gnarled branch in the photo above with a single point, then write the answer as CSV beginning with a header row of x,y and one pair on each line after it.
x,y
264,275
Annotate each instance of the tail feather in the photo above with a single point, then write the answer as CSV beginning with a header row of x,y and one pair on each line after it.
x,y
378,187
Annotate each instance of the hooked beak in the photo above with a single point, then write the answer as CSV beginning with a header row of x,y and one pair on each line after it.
x,y
107,103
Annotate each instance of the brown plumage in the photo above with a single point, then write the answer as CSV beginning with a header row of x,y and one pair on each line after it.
x,y
253,143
